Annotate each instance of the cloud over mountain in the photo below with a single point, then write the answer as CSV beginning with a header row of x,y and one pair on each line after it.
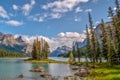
x,y
61,39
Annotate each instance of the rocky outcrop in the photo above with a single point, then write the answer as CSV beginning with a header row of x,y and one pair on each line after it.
x,y
8,39
8,42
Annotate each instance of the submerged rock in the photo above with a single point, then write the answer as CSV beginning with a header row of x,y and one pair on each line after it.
x,y
37,69
21,76
74,67
83,72
46,75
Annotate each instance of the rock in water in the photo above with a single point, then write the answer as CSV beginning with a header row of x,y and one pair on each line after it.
x,y
37,69
83,72
21,76
46,75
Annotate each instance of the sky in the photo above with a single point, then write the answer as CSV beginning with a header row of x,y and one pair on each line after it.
x,y
50,18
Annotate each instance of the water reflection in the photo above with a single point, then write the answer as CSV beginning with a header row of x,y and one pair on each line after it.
x,y
11,68
60,70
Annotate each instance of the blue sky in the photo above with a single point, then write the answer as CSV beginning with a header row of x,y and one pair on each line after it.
x,y
50,17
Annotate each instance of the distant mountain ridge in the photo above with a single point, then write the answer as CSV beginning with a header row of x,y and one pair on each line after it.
x,y
98,31
60,50
8,42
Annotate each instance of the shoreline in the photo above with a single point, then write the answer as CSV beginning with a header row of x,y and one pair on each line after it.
x,y
45,61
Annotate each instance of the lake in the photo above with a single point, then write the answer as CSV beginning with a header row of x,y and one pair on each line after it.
x,y
10,68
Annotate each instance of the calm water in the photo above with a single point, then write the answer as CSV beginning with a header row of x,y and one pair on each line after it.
x,y
11,68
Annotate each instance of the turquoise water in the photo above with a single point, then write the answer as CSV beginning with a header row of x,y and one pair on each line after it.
x,y
11,68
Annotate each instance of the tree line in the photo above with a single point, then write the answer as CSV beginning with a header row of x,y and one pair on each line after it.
x,y
107,45
40,50
5,53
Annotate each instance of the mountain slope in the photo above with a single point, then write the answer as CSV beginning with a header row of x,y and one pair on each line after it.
x,y
60,50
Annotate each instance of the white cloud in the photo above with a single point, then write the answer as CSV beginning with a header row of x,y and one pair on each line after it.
x,y
55,15
61,40
78,9
88,10
62,6
33,2
69,35
27,7
14,23
15,7
3,13
67,38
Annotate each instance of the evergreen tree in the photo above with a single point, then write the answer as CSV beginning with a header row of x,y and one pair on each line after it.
x,y
104,40
97,49
117,9
34,51
92,39
110,12
47,49
73,49
117,26
78,52
71,57
89,45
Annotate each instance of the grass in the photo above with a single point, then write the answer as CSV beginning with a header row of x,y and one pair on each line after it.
x,y
46,61
104,72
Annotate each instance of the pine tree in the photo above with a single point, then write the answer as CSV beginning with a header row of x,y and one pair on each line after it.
x,y
97,49
78,52
117,24
112,51
89,45
71,57
110,12
34,51
73,49
47,49
117,9
104,40
92,39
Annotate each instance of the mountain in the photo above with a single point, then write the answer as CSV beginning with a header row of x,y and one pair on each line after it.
x,y
8,42
60,50
98,31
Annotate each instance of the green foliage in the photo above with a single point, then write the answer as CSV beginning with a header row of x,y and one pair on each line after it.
x,y
105,72
110,39
40,50
5,53
104,39
71,57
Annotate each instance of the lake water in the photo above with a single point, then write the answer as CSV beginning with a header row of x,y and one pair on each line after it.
x,y
11,68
